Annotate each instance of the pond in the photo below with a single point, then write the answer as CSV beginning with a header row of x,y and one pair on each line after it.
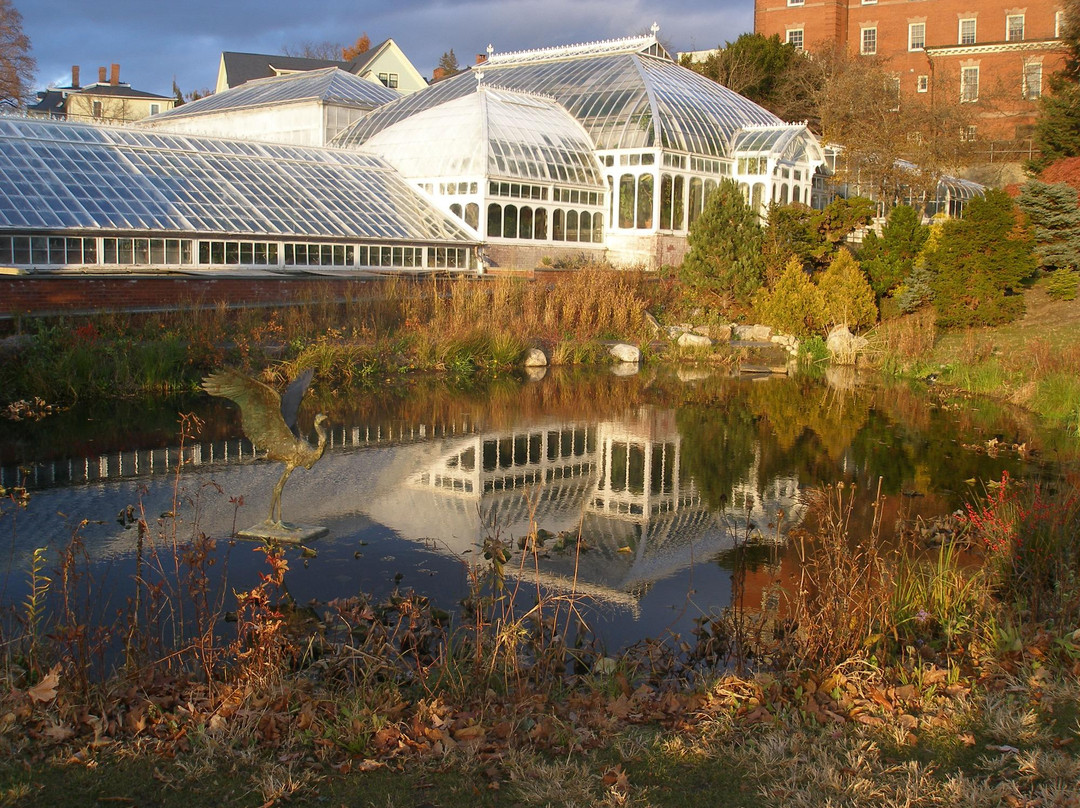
x,y
683,484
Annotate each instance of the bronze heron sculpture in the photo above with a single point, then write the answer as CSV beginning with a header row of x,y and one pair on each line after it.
x,y
269,421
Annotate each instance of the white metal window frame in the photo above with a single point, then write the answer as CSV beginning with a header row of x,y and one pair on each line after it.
x,y
969,84
916,36
1032,81
1014,28
968,38
922,84
795,36
868,41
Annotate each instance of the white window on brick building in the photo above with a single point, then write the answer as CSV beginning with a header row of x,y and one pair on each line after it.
x,y
795,2
795,37
969,84
922,84
868,46
1032,81
967,31
1014,28
967,134
916,36
1058,19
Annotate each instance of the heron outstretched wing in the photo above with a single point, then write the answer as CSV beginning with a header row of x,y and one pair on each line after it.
x,y
290,402
260,408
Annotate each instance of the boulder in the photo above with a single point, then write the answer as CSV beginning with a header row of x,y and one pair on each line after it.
x,y
753,333
701,329
624,352
535,358
654,324
721,333
691,340
844,346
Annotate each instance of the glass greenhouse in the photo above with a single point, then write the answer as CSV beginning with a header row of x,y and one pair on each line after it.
x,y
328,84
661,137
77,195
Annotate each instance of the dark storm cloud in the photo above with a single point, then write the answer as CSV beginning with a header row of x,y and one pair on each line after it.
x,y
155,41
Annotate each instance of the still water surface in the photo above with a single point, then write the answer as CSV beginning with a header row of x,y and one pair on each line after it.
x,y
666,475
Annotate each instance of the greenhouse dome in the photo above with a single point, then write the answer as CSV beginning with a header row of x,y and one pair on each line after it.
x,y
519,157
662,136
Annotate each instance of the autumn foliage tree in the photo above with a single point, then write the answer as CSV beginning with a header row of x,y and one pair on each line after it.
x,y
16,64
774,74
892,145
362,45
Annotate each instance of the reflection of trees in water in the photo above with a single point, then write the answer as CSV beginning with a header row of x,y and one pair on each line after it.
x,y
719,446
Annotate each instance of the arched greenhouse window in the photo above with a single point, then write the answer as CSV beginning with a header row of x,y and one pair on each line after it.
x,y
557,221
510,219
783,194
667,202
585,226
571,225
525,223
678,208
456,210
598,227
540,223
757,197
645,202
710,188
494,223
472,215
626,201
795,193
695,198
745,192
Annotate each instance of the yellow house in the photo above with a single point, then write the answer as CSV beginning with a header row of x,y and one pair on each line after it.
x,y
107,100
384,63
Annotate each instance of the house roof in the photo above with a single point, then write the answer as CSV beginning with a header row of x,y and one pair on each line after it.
x,y
245,67
50,102
329,85
117,91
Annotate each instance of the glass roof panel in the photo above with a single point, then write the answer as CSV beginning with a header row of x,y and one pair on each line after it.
x,y
331,84
497,133
80,176
624,99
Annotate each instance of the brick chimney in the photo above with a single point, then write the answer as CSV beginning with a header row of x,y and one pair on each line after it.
x,y
438,74
101,75
114,79
75,76
481,58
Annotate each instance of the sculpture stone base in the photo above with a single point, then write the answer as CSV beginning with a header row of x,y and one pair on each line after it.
x,y
283,532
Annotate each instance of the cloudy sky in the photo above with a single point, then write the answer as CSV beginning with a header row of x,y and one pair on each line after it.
x,y
155,41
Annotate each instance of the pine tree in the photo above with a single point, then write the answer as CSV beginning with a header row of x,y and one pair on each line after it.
x,y
794,305
980,262
725,258
888,259
1057,129
1055,222
846,295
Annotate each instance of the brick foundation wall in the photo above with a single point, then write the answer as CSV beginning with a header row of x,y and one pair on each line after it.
x,y
42,296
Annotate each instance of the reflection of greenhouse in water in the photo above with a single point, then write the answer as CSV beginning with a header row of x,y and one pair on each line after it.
x,y
619,483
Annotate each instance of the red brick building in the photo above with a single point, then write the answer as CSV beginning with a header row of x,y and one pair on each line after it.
x,y
996,54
